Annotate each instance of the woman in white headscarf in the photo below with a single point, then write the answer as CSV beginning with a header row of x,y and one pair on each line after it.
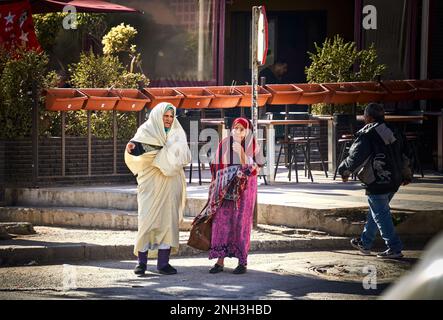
x,y
156,155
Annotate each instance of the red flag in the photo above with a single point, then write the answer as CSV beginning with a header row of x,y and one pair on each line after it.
x,y
17,27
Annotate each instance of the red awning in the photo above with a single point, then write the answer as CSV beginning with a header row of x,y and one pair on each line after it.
x,y
97,6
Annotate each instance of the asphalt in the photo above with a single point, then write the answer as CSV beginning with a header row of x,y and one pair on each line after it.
x,y
308,275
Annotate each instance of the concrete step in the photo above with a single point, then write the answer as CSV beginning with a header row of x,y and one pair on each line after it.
x,y
62,245
342,221
78,217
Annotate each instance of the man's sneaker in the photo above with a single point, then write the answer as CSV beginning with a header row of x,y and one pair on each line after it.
x,y
357,244
389,254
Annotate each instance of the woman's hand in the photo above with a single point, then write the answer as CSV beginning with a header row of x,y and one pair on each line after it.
x,y
236,146
129,147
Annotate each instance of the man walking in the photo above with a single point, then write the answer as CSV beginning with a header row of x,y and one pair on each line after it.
x,y
378,158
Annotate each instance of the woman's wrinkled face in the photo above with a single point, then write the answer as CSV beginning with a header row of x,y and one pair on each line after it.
x,y
239,132
168,119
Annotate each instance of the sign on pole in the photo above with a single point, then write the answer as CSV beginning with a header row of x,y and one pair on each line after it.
x,y
259,51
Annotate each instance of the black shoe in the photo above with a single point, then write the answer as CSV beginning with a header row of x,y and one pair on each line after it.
x,y
140,268
357,244
216,268
167,270
240,269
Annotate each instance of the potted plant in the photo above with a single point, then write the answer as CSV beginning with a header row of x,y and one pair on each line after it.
x,y
426,89
64,99
342,93
100,99
246,100
224,97
283,93
398,90
339,61
370,91
195,98
158,95
312,93
130,100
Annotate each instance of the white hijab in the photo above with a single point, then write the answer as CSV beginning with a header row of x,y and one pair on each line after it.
x,y
175,153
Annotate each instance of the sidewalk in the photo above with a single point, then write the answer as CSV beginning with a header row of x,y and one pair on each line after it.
x,y
326,205
60,245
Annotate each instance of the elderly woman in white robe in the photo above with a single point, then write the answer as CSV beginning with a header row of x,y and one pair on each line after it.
x,y
156,155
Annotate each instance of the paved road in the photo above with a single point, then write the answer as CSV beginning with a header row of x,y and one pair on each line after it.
x,y
295,275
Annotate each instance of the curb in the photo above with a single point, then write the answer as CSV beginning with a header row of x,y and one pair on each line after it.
x,y
41,255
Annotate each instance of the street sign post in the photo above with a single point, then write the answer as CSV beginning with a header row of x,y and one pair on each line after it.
x,y
259,50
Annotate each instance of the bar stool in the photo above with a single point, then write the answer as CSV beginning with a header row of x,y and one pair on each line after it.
x,y
185,122
347,138
302,142
412,132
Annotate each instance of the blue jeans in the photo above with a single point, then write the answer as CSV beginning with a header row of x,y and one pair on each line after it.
x,y
379,218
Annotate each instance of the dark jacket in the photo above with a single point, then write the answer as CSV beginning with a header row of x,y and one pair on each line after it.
x,y
378,157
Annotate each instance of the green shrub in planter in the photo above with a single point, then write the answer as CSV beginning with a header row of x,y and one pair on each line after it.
x,y
340,61
19,72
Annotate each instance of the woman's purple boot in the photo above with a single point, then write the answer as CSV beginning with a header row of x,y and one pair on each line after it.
x,y
163,265
141,267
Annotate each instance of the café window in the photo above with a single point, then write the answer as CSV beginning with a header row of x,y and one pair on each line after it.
x,y
176,39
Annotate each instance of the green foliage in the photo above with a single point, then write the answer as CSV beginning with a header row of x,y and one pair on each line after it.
x,y
95,71
20,71
335,61
118,41
102,71
48,26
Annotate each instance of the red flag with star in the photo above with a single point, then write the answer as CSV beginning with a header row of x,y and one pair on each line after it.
x,y
17,27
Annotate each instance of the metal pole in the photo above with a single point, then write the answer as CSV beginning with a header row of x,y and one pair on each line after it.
x,y
254,83
114,129
89,142
200,55
34,132
63,143
332,145
424,46
440,142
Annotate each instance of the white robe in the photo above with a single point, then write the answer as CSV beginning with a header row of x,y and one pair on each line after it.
x,y
161,190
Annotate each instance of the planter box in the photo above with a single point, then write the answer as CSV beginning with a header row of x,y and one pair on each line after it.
x,y
342,93
370,91
159,95
64,99
439,94
398,90
195,98
100,99
283,93
130,100
312,93
246,92
426,89
224,97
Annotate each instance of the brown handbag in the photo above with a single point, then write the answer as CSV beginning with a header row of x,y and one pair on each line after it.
x,y
200,237
201,231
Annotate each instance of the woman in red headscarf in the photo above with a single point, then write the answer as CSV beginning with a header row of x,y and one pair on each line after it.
x,y
232,195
